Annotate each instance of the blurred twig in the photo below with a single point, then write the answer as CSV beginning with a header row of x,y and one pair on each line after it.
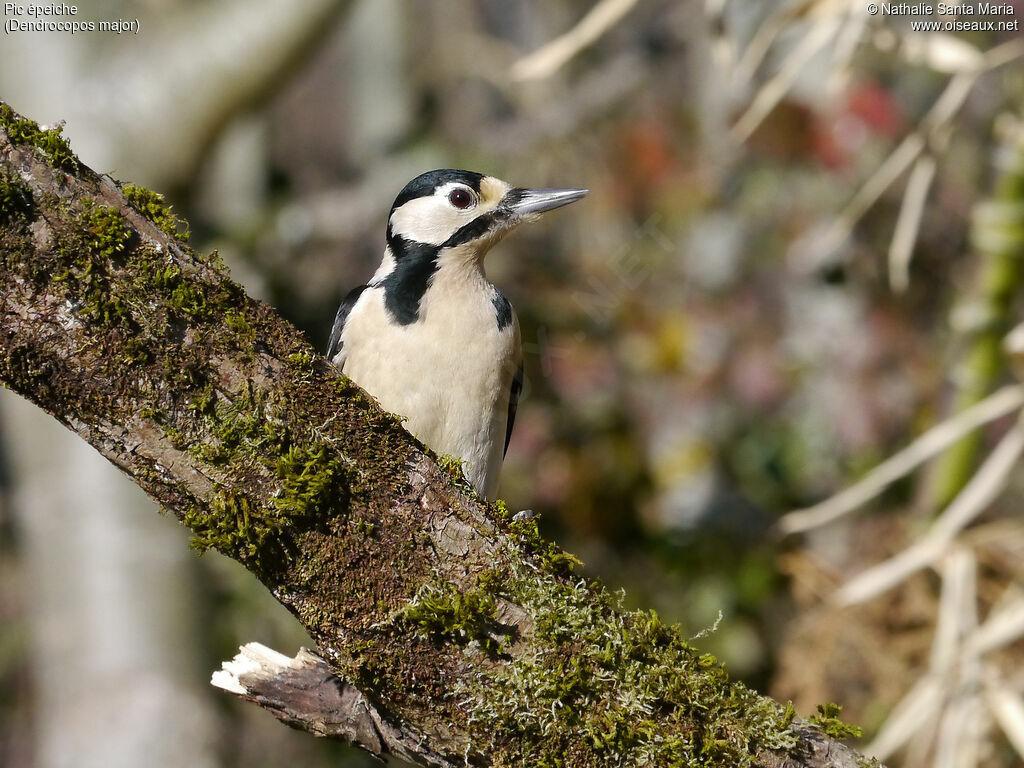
x,y
983,488
932,129
901,158
1003,626
592,95
916,708
951,712
765,36
827,25
1008,709
548,59
909,222
929,444
958,617
935,50
934,706
963,694
831,21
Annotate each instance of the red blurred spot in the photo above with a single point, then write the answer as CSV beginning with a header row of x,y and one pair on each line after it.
x,y
867,109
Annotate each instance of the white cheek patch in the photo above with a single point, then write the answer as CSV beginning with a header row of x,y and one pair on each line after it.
x,y
432,220
428,220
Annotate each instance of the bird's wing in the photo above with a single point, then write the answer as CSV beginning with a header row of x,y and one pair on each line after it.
x,y
334,346
513,403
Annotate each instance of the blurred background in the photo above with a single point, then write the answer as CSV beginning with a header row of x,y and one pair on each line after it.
x,y
802,253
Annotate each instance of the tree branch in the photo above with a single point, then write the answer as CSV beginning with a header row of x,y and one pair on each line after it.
x,y
463,637
304,693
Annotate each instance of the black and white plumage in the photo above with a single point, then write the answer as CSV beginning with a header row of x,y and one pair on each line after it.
x,y
429,336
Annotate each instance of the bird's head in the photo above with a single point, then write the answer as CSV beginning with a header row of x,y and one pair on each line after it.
x,y
459,215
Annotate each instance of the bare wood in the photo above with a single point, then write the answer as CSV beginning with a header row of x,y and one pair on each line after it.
x,y
453,635
304,693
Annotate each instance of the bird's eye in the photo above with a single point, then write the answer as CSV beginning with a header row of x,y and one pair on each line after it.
x,y
460,198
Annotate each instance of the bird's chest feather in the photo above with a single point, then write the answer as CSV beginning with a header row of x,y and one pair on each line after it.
x,y
449,372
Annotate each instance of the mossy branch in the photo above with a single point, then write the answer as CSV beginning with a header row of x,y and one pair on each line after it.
x,y
463,632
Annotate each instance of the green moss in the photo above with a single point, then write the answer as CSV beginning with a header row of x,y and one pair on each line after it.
x,y
137,307
828,721
788,713
18,208
550,556
443,612
236,425
188,300
302,360
187,297
502,510
100,236
365,527
150,412
151,205
204,402
231,524
108,234
135,351
21,130
312,482
613,684
183,297
237,322
16,201
452,466
176,437
244,334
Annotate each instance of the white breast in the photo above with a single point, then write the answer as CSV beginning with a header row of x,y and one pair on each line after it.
x,y
449,373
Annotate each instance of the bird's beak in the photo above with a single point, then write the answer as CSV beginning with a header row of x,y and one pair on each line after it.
x,y
527,202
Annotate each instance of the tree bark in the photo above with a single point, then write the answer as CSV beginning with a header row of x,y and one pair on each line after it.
x,y
448,633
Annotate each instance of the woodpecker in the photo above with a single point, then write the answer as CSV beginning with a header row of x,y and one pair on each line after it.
x,y
429,336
